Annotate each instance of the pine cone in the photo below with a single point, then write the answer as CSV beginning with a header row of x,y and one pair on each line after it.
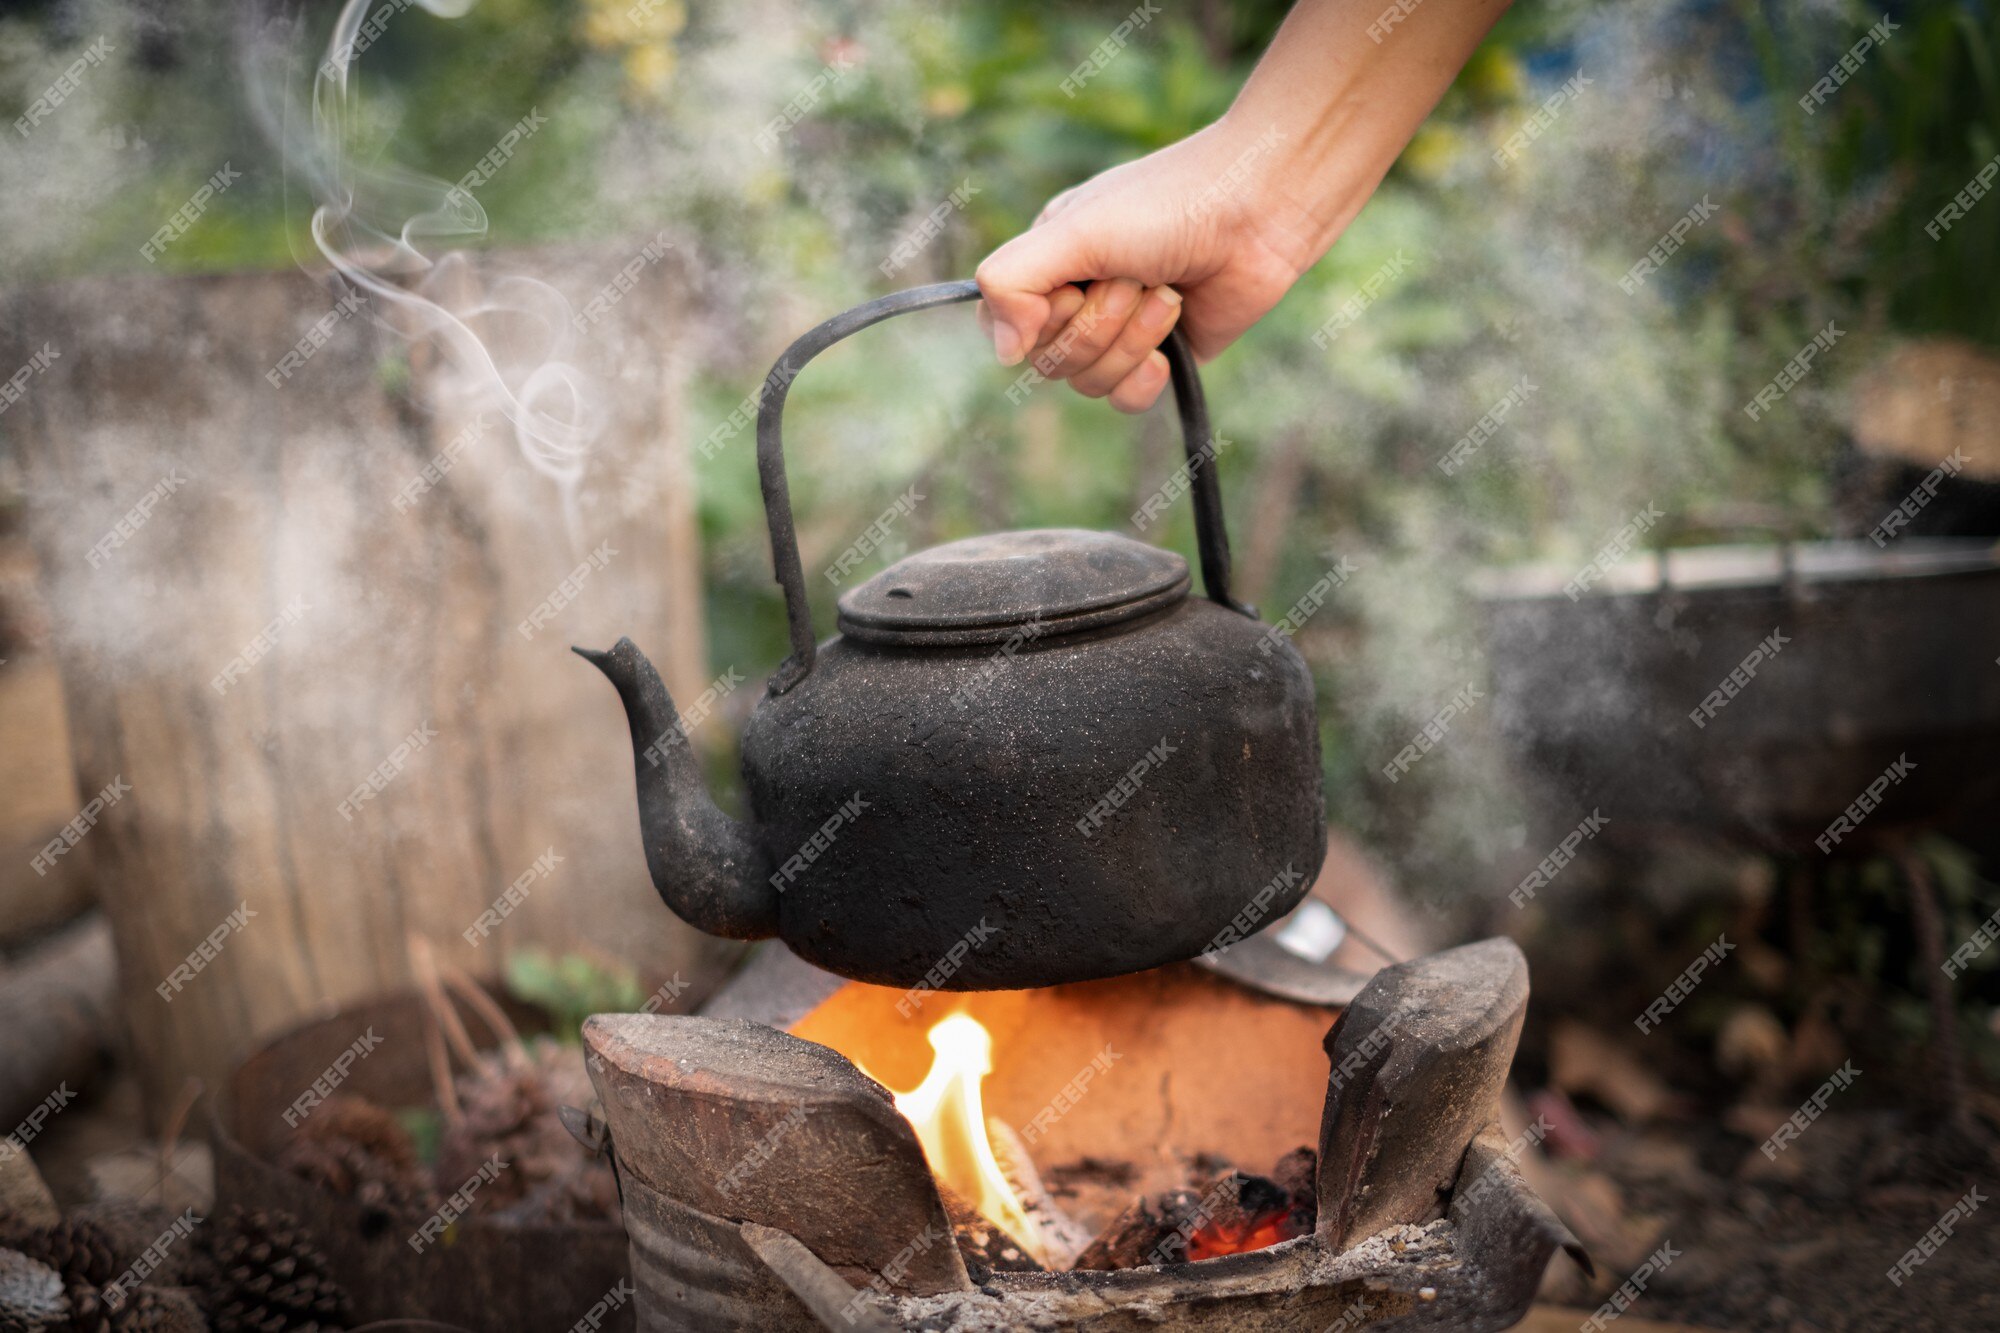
x,y
76,1247
31,1294
130,1226
160,1310
355,1149
270,1278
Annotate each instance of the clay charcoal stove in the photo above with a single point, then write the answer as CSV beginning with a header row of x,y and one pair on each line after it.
x,y
1057,1155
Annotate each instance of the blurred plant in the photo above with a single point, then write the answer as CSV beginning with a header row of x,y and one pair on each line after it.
x,y
572,988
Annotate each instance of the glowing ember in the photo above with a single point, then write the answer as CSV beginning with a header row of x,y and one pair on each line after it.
x,y
1215,1239
950,1121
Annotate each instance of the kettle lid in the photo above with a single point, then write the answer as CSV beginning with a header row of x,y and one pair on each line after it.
x,y
986,589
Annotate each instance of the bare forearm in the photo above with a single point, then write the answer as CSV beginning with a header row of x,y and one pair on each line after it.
x,y
1207,234
1339,93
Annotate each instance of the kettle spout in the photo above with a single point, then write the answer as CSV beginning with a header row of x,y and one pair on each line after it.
x,y
708,867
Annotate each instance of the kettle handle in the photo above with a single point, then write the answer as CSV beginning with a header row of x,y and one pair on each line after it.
x,y
1211,540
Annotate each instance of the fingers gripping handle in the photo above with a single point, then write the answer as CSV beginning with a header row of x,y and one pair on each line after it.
x,y
1211,540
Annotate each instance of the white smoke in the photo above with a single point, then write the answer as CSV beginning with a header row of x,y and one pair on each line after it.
x,y
506,342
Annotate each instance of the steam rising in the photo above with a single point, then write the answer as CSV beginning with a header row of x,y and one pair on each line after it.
x,y
509,342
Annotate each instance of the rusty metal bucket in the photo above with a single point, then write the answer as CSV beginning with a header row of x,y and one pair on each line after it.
x,y
485,1276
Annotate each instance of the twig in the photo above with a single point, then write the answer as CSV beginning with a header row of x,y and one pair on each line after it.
x,y
440,1066
424,963
489,1011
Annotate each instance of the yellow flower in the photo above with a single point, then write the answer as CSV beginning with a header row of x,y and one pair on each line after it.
x,y
947,101
649,68
1493,74
1431,151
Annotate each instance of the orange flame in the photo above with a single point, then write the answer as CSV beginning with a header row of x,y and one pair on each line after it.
x,y
950,1120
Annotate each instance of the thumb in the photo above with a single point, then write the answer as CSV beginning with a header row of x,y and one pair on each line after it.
x,y
1018,278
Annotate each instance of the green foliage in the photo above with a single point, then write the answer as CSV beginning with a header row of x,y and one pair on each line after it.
x,y
572,987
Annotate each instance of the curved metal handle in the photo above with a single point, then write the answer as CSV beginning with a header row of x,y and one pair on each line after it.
x,y
1211,540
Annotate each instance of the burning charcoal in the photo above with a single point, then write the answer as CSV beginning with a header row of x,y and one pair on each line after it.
x,y
1154,1230
1241,1212
1297,1173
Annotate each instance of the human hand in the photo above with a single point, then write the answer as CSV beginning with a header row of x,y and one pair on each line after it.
x,y
1162,241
